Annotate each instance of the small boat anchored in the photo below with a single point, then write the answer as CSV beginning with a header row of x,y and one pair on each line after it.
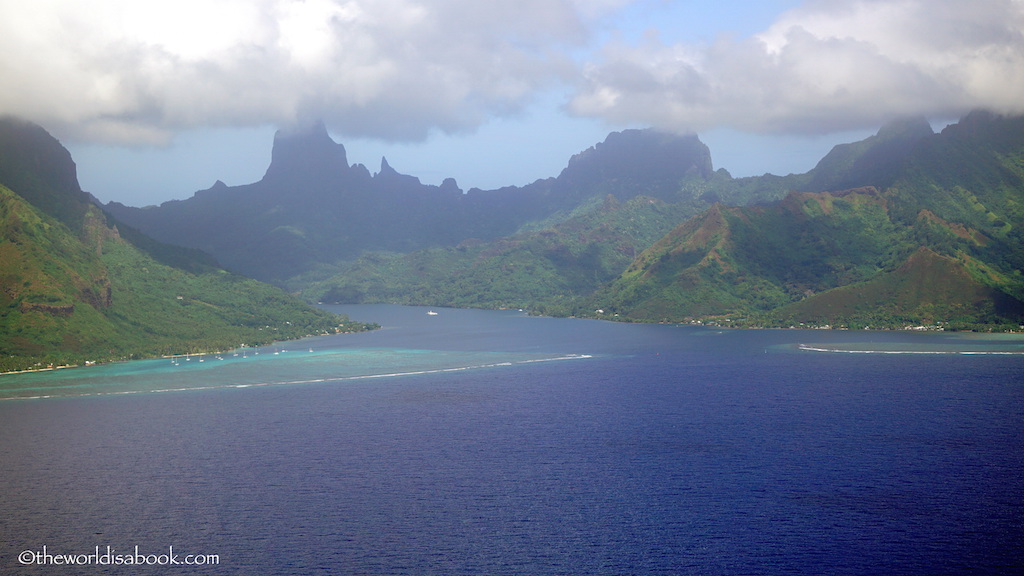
x,y
431,313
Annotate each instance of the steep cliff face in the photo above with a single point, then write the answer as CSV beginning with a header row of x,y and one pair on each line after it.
x,y
635,162
308,153
311,208
41,170
74,288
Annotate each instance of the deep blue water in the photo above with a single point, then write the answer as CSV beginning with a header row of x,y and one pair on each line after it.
x,y
568,447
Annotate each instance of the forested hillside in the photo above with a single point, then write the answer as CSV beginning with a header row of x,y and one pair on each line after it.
x,y
74,289
642,227
905,228
937,243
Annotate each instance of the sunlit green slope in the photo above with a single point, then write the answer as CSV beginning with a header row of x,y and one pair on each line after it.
x,y
73,290
937,242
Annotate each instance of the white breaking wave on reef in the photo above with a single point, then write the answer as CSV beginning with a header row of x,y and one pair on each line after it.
x,y
186,388
811,348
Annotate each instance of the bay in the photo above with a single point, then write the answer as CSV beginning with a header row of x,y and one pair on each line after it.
x,y
491,442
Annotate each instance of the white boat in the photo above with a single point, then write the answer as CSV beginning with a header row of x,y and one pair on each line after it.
x,y
431,313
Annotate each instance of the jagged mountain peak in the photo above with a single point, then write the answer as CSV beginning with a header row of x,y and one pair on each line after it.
x,y
306,150
450,185
637,150
660,160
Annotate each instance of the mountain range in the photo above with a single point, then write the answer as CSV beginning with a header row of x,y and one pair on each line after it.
x,y
76,286
906,228
642,227
312,208
929,235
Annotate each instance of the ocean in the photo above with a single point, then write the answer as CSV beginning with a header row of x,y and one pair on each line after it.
x,y
495,443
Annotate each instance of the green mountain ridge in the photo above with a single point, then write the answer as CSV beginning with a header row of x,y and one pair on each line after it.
x,y
629,191
939,246
874,161
905,228
544,267
926,290
74,290
755,251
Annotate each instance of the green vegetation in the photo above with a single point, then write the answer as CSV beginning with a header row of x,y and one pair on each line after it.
x,y
940,247
815,259
65,302
905,228
73,290
927,290
545,267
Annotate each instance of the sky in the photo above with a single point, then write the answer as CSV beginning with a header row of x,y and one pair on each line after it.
x,y
157,99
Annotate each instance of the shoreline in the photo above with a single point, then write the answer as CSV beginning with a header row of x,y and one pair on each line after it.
x,y
1013,335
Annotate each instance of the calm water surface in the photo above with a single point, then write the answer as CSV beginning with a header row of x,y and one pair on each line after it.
x,y
476,442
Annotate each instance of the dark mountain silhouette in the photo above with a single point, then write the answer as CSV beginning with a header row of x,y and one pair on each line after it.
x,y
42,171
313,208
633,163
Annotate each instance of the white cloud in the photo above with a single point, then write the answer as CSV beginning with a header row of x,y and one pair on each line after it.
x,y
137,71
129,70
830,65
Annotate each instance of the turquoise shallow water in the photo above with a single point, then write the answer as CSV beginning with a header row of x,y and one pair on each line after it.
x,y
414,342
287,364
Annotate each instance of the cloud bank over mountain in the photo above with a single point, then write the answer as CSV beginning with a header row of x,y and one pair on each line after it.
x,y
123,70
826,66
128,72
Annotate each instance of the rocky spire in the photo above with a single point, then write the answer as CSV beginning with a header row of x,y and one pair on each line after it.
x,y
306,152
